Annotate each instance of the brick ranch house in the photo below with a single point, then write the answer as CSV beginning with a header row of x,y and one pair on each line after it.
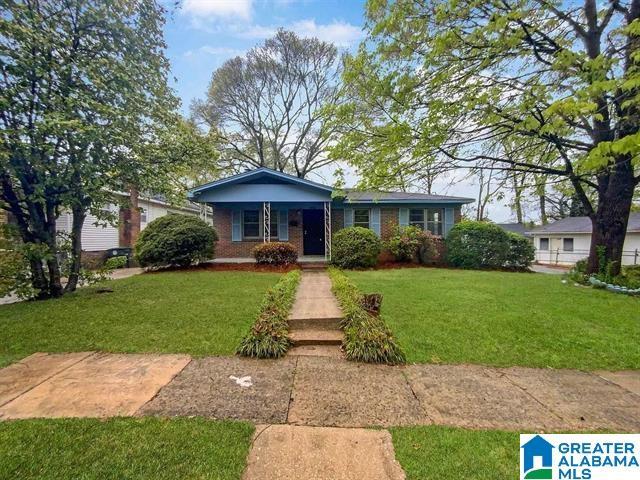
x,y
264,205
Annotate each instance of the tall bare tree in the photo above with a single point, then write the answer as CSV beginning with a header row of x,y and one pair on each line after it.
x,y
268,105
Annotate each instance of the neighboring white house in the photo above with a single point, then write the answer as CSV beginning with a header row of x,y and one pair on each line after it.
x,y
97,238
568,240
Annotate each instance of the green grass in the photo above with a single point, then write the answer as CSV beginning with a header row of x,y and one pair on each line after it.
x,y
504,319
194,312
443,453
150,448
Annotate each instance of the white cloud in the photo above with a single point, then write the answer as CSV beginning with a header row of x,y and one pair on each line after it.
x,y
215,51
240,9
340,33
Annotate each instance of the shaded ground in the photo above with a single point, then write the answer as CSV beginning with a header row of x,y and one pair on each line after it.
x,y
149,448
505,319
331,453
195,312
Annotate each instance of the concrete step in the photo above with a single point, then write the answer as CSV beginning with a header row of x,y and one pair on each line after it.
x,y
316,351
306,307
315,337
314,267
314,324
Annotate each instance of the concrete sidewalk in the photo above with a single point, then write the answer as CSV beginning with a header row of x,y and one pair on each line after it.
x,y
319,391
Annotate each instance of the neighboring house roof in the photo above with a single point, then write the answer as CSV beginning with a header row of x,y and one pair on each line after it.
x,y
161,200
219,190
580,225
514,228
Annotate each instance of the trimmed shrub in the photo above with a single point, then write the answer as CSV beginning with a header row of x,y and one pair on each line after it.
x,y
477,245
269,335
405,242
431,251
521,251
174,239
578,272
275,253
354,247
366,338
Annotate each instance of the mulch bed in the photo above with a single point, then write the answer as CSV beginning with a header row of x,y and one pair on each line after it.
x,y
230,267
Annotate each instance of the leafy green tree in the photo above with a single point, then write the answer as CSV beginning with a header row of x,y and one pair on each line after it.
x,y
83,101
444,80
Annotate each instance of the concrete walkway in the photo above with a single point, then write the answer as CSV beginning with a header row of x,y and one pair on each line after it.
x,y
315,391
287,452
299,401
115,275
550,269
315,317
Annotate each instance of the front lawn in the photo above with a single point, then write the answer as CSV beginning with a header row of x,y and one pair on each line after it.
x,y
504,319
148,448
443,453
194,312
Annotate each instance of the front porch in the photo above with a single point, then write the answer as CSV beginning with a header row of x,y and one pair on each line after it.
x,y
304,259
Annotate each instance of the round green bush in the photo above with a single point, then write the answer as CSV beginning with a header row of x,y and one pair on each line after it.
x,y
275,253
477,245
179,240
354,247
521,251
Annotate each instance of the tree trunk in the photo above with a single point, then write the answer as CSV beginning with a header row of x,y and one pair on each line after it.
x,y
610,219
543,209
79,216
130,220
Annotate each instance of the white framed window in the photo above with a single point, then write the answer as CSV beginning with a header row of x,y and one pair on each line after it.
x,y
544,244
143,215
252,224
567,244
435,220
361,217
416,218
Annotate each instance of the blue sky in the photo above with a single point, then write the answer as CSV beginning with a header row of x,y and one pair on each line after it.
x,y
202,34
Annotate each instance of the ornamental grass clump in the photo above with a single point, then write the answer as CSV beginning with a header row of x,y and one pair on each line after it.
x,y
366,337
269,335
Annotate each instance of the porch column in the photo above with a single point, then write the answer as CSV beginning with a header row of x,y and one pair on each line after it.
x,y
327,231
266,221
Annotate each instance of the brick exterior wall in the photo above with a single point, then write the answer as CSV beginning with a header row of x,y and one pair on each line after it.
x,y
388,222
225,248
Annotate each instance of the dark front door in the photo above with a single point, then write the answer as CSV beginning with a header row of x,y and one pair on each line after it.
x,y
313,232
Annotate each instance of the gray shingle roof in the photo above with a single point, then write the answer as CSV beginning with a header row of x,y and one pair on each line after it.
x,y
513,227
581,225
356,196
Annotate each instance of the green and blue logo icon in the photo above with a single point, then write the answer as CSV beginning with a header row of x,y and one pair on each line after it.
x,y
580,456
537,459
